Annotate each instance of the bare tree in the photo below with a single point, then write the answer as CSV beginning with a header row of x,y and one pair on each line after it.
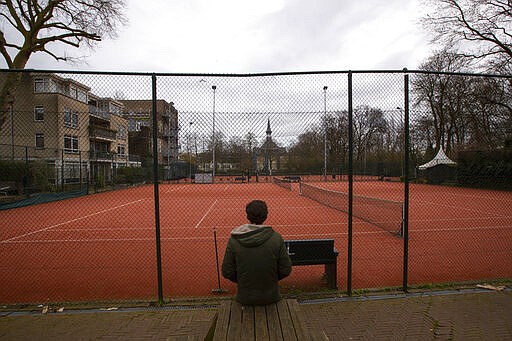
x,y
442,95
336,125
457,112
42,24
369,125
481,29
304,155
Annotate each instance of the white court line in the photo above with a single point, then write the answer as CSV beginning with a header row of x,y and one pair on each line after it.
x,y
70,221
174,189
295,235
458,219
475,228
461,208
207,212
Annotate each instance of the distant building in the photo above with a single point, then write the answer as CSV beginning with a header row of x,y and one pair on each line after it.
x,y
108,136
267,157
56,121
138,114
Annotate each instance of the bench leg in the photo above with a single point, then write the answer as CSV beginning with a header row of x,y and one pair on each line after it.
x,y
332,275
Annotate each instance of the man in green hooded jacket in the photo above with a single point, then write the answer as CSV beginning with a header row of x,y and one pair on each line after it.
x,y
256,258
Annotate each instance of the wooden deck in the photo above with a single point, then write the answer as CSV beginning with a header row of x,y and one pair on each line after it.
x,y
279,321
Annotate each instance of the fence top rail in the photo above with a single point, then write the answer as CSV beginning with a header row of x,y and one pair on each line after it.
x,y
248,75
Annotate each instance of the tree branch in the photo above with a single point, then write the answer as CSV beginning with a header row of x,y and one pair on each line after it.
x,y
3,50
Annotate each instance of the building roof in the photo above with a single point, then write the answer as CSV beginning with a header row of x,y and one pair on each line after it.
x,y
144,106
439,159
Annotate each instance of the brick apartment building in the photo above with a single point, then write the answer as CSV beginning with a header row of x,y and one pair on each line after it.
x,y
79,136
138,114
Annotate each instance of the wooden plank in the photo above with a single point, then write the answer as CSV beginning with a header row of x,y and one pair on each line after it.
x,y
274,326
247,323
279,321
286,321
235,321
222,323
332,275
260,324
298,320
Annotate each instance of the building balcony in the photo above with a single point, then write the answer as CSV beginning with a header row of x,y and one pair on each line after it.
x,y
101,156
101,133
99,113
169,133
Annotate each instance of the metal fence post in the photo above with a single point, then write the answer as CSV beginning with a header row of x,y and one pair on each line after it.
x,y
155,188
350,183
62,170
406,181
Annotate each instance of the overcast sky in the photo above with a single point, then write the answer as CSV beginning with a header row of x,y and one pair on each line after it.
x,y
241,36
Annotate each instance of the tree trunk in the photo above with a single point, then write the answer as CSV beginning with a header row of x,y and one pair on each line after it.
x,y
7,94
10,84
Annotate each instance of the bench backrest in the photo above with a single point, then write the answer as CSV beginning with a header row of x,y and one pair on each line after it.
x,y
311,251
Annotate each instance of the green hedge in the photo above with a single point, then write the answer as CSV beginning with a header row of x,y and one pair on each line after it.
x,y
14,171
131,175
485,169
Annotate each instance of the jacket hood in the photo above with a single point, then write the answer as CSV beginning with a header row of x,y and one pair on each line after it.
x,y
250,235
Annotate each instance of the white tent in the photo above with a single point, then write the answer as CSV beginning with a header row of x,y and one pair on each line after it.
x,y
439,159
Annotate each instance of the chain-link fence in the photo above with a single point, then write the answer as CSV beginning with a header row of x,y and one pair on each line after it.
x,y
121,186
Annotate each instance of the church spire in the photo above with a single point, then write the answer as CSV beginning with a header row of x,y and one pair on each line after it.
x,y
269,131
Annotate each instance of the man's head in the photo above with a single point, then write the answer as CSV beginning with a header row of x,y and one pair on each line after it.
x,y
256,211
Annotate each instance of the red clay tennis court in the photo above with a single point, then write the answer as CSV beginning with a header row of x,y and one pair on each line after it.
x,y
102,246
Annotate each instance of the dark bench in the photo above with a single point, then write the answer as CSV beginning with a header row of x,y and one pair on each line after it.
x,y
278,321
8,188
313,252
293,178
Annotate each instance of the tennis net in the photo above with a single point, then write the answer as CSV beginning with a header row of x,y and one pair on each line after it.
x,y
282,182
386,214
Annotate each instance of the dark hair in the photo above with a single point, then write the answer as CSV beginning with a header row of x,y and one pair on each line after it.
x,y
256,211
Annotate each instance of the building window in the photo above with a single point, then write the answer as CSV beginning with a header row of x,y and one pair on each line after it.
x,y
121,132
41,85
70,119
39,141
38,114
70,144
120,149
77,93
71,172
72,91
81,96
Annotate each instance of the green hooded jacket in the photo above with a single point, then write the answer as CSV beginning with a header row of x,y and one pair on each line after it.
x,y
256,259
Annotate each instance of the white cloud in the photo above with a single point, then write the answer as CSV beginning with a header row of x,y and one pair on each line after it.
x,y
234,36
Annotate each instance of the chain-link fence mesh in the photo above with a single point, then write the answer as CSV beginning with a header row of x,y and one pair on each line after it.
x,y
84,216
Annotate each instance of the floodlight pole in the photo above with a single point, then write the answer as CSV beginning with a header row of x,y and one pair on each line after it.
x,y
168,175
12,130
325,133
214,87
189,152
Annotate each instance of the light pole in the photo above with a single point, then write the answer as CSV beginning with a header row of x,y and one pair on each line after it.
x,y
203,152
169,145
214,87
12,130
189,151
325,133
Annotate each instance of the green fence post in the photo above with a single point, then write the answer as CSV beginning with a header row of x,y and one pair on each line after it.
x,y
155,189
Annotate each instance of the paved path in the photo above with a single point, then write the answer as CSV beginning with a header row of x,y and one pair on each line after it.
x,y
471,315
449,316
